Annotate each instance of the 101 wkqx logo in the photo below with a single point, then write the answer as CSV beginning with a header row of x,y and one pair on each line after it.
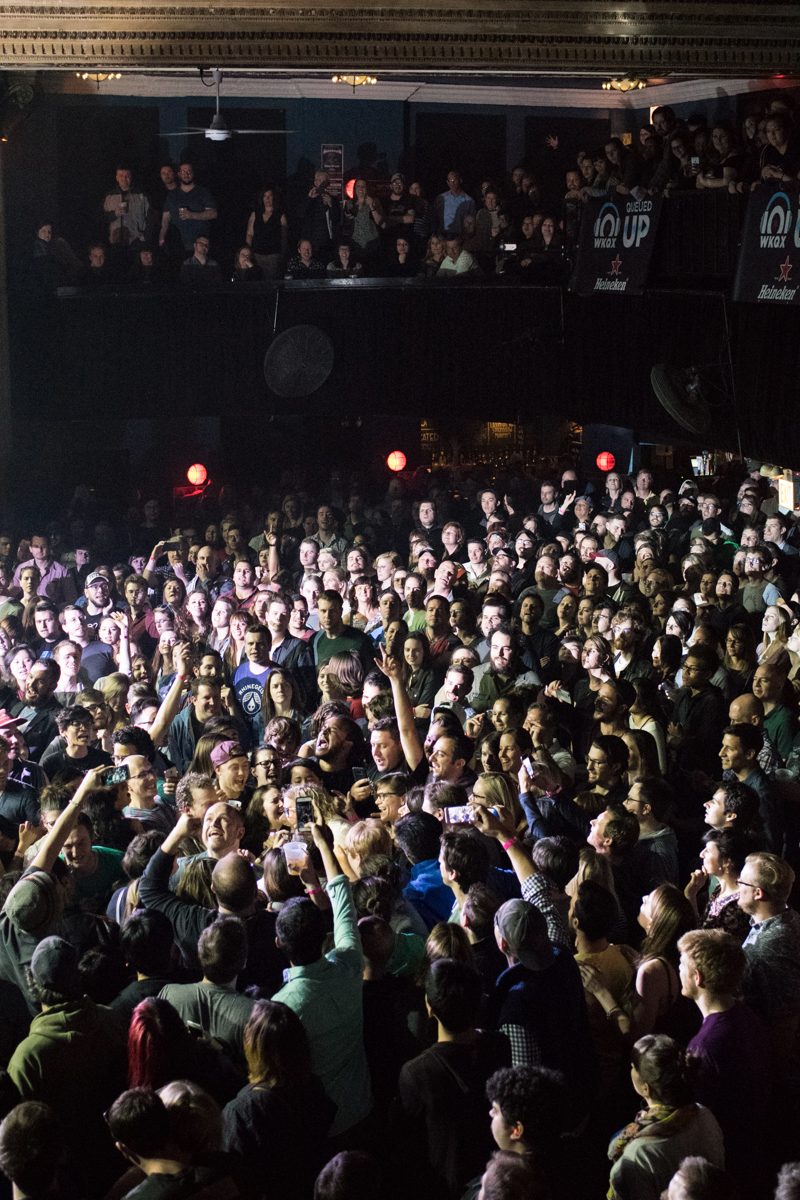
x,y
777,221
775,229
635,227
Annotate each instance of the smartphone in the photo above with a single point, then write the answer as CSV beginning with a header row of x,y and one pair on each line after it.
x,y
359,773
305,813
509,246
528,765
114,775
459,814
173,544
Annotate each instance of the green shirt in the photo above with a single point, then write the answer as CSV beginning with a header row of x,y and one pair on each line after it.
x,y
93,892
415,620
351,641
327,997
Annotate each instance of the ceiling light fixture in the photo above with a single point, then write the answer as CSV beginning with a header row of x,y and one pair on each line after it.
x,y
353,81
624,85
98,79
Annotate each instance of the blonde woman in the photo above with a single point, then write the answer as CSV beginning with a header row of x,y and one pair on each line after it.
x,y
495,789
434,256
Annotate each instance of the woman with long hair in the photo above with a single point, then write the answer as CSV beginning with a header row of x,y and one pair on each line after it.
x,y
598,663
774,648
279,1122
642,755
197,611
17,662
161,1049
495,789
365,613
647,1153
567,613
280,697
267,233
658,1005
238,626
434,256
220,634
666,656
264,820
646,715
115,691
741,657
420,682
363,220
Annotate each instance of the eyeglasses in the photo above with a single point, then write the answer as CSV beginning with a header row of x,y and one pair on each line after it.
x,y
746,883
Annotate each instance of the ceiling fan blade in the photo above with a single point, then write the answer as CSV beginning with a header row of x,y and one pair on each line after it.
x,y
265,131
183,133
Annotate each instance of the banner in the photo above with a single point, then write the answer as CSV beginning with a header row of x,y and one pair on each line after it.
x,y
769,259
616,243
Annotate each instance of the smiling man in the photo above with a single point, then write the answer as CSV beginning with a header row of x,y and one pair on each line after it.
x,y
75,724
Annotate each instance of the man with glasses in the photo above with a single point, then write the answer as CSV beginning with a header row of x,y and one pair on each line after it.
x,y
144,803
771,984
199,270
76,727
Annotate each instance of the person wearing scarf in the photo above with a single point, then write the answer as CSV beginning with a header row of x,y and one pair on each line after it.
x,y
647,1153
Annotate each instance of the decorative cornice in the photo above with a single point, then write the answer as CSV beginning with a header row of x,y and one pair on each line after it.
x,y
688,37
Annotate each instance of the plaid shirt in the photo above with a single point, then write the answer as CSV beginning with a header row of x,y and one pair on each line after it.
x,y
540,891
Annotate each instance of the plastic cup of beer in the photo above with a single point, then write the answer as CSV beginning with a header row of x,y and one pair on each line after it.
x,y
295,855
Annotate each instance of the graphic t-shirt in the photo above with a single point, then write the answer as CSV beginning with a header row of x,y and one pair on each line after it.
x,y
249,682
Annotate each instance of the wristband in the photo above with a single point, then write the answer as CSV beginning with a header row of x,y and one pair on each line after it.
x,y
315,891
511,842
181,677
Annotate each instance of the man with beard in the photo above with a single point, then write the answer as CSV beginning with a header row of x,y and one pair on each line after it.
x,y
494,611
629,632
440,633
612,705
38,707
339,747
547,586
506,669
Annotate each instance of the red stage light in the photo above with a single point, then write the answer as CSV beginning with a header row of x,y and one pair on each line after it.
x,y
605,461
350,188
396,460
197,474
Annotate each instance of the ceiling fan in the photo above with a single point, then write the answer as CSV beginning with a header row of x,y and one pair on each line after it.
x,y
218,131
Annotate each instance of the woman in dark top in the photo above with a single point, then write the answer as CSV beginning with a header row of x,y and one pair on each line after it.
x,y
727,162
267,231
244,269
279,1122
420,683
400,260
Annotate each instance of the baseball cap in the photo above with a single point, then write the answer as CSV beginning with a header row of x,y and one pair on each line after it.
x,y
524,929
8,723
31,903
398,175
55,966
225,752
94,577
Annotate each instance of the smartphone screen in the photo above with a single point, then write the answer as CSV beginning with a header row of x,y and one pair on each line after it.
x,y
528,765
359,773
114,775
459,814
305,813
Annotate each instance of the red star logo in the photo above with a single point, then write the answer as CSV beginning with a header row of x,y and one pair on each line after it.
x,y
784,269
616,263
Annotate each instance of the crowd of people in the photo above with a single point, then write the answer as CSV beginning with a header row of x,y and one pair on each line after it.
x,y
507,226
389,841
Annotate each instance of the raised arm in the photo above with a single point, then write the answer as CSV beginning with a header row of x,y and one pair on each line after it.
x,y
121,619
392,669
53,844
149,572
159,730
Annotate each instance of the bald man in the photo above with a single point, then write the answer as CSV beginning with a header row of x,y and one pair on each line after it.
x,y
144,803
748,710
234,884
780,721
223,830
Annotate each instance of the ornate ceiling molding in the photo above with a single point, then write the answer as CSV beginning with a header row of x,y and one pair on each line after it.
x,y
685,37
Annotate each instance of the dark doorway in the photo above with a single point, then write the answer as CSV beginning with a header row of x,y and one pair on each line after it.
x,y
573,133
467,144
92,142
235,169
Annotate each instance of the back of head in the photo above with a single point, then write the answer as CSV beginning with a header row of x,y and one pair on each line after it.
x,y
595,910
465,853
276,1045
558,858
453,992
156,1039
222,950
698,1179
301,931
623,828
418,836
138,1120
234,882
447,940
788,1182
717,957
351,1175
32,1147
195,1118
146,941
511,1177
533,1097
773,876
378,942
478,910
661,1063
